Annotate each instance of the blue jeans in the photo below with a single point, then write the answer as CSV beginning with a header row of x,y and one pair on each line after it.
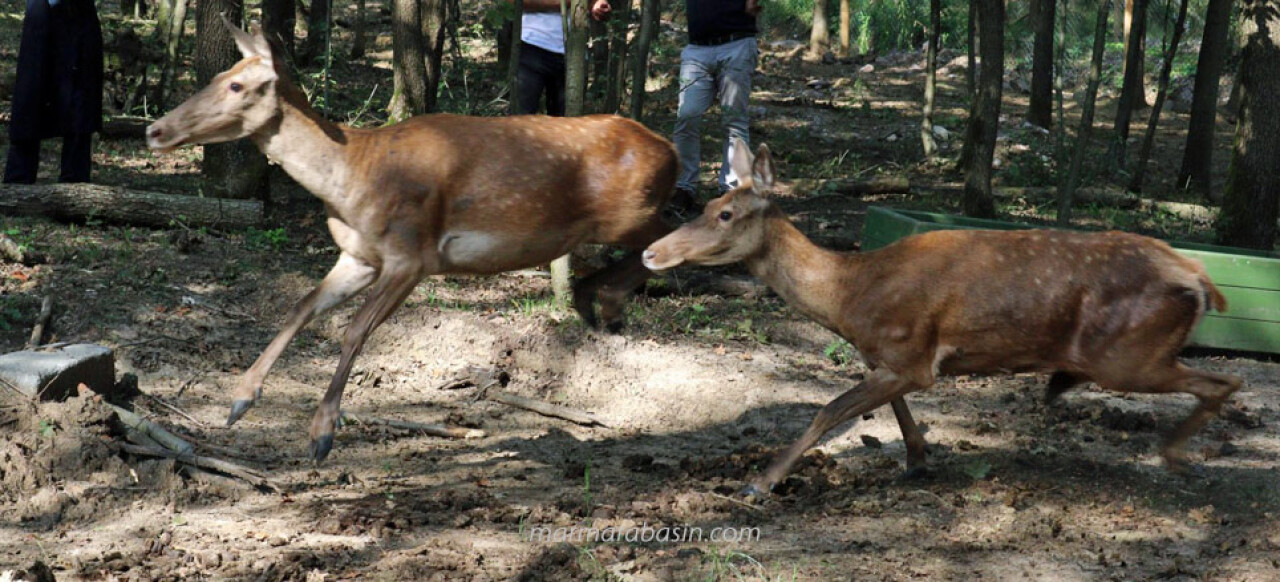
x,y
713,72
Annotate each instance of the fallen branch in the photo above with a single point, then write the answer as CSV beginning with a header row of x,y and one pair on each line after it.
x,y
125,206
219,465
545,408
439,430
174,409
136,424
37,332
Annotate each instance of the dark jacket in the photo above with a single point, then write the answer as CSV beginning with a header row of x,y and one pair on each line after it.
x,y
59,86
714,19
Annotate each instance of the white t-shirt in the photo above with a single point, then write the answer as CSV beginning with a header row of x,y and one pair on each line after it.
x,y
544,30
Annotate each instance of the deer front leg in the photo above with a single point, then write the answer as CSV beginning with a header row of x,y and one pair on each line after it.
x,y
880,387
347,277
388,293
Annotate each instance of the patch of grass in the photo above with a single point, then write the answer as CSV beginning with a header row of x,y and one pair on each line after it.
x,y
840,352
261,240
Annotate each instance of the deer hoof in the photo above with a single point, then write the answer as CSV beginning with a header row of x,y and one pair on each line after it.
x,y
614,326
320,447
917,473
238,408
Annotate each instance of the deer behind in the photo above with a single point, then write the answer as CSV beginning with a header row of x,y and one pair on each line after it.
x,y
1112,308
434,194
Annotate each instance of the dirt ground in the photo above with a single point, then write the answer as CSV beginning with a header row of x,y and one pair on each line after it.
x,y
697,393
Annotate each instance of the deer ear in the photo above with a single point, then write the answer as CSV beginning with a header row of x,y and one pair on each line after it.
x,y
260,41
740,158
762,171
250,46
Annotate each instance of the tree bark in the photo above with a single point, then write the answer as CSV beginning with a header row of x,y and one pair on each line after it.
x,y
435,21
358,32
170,32
1135,15
235,169
1067,192
408,61
1197,158
1162,90
930,79
617,82
1040,110
279,20
575,86
971,70
317,31
845,16
118,205
513,60
1132,93
1251,199
985,119
650,11
820,34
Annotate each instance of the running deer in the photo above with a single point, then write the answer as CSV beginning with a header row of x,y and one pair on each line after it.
x,y
1112,308
435,194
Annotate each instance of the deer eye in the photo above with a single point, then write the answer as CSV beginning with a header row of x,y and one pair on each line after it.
x,y
236,87
725,216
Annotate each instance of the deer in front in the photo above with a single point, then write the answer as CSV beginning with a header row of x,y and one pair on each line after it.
x,y
1112,308
435,194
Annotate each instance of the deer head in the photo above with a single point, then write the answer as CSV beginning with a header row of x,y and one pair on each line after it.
x,y
237,102
731,227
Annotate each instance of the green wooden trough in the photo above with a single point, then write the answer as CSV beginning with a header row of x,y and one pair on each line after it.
x,y
1249,279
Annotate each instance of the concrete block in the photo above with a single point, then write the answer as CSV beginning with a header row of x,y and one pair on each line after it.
x,y
55,374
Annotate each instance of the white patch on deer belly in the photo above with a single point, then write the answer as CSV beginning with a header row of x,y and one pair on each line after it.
x,y
469,247
940,355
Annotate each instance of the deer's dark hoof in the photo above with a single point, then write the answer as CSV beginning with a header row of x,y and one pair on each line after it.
x,y
238,408
614,326
917,473
586,310
320,447
752,490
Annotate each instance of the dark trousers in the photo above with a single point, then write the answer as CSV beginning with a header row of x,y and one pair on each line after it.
x,y
541,71
24,159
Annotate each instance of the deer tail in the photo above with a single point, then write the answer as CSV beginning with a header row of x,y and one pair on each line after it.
x,y
1212,295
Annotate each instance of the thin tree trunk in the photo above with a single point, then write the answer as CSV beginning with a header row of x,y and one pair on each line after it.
x,y
971,70
820,34
1067,192
1135,15
845,16
358,32
1251,199
174,27
1197,158
1131,91
649,14
617,56
234,169
1060,48
278,22
930,78
575,85
983,125
408,61
434,17
1162,89
1040,110
317,31
598,63
513,61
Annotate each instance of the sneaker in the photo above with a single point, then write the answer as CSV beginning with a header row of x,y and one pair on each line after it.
x,y
684,203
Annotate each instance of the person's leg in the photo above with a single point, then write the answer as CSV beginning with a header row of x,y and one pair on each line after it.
x,y
555,84
737,63
697,88
23,161
77,158
531,79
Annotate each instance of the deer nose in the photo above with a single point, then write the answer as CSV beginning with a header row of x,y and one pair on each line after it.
x,y
154,132
648,256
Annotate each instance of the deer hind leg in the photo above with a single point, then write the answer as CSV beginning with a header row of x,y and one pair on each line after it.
x,y
388,293
347,277
881,386
1212,390
613,285
911,437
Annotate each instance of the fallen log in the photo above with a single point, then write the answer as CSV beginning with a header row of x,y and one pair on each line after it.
x,y
219,465
125,127
120,205
439,430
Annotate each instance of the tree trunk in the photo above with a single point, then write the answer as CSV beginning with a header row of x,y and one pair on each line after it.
x,y
1068,189
1197,158
971,70
278,22
1060,135
617,56
173,27
317,31
434,15
820,34
408,61
650,11
1251,199
930,78
1162,90
119,205
598,63
1132,96
1135,26
575,85
986,111
234,169
845,16
1040,111
358,32
513,60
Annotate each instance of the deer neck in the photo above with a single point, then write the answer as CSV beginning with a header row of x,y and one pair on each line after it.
x,y
311,149
808,277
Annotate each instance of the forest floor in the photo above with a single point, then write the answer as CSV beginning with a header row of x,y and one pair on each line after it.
x,y
697,393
